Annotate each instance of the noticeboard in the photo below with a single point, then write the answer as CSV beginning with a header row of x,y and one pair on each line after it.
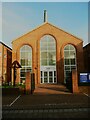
x,y
84,77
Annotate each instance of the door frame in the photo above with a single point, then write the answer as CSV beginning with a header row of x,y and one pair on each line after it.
x,y
48,69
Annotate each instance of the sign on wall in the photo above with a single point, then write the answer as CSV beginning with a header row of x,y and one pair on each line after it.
x,y
89,77
84,77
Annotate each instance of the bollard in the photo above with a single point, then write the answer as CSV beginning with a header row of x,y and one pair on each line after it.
x,y
28,83
75,81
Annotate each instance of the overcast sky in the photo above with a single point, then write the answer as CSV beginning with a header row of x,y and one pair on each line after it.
x,y
19,18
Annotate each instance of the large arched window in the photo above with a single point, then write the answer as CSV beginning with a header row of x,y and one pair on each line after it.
x,y
69,60
25,60
48,51
48,59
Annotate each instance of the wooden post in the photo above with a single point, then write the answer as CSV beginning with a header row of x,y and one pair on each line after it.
x,y
28,83
75,81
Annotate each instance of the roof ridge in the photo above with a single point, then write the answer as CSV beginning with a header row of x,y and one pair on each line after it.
x,y
51,25
31,31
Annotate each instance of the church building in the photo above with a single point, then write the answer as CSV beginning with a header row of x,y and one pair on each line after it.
x,y
49,52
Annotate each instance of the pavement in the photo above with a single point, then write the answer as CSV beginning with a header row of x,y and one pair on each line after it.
x,y
47,102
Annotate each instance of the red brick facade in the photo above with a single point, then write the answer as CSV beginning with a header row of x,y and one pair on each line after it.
x,y
5,62
62,39
87,57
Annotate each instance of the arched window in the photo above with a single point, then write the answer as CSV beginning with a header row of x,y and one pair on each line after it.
x,y
25,60
48,59
48,51
69,60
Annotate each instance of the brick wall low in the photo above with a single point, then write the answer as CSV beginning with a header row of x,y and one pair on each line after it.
x,y
28,83
75,81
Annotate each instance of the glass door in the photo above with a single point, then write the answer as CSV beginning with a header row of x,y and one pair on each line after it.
x,y
48,76
45,79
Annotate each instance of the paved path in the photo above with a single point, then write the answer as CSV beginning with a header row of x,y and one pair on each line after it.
x,y
28,100
47,113
47,89
48,106
50,101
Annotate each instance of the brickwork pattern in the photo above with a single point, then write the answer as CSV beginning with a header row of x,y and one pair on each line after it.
x,y
62,38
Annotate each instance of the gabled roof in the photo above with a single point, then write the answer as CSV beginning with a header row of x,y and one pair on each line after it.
x,y
87,45
5,45
46,23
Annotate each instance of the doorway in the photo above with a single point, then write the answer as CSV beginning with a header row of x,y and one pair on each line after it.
x,y
48,75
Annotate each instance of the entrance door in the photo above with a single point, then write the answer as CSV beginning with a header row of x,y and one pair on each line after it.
x,y
48,76
48,59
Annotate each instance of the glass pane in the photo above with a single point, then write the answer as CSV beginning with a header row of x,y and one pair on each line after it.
x,y
52,55
45,80
67,62
52,47
44,62
22,74
43,46
22,62
49,55
70,57
22,55
51,39
66,54
72,61
72,47
50,79
23,48
45,74
72,54
50,74
48,50
26,62
29,55
50,61
66,47
68,73
27,48
29,63
43,55
67,68
25,59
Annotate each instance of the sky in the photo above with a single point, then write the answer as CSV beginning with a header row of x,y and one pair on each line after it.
x,y
19,18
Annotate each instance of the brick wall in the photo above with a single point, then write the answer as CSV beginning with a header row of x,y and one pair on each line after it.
x,y
87,57
62,38
5,62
